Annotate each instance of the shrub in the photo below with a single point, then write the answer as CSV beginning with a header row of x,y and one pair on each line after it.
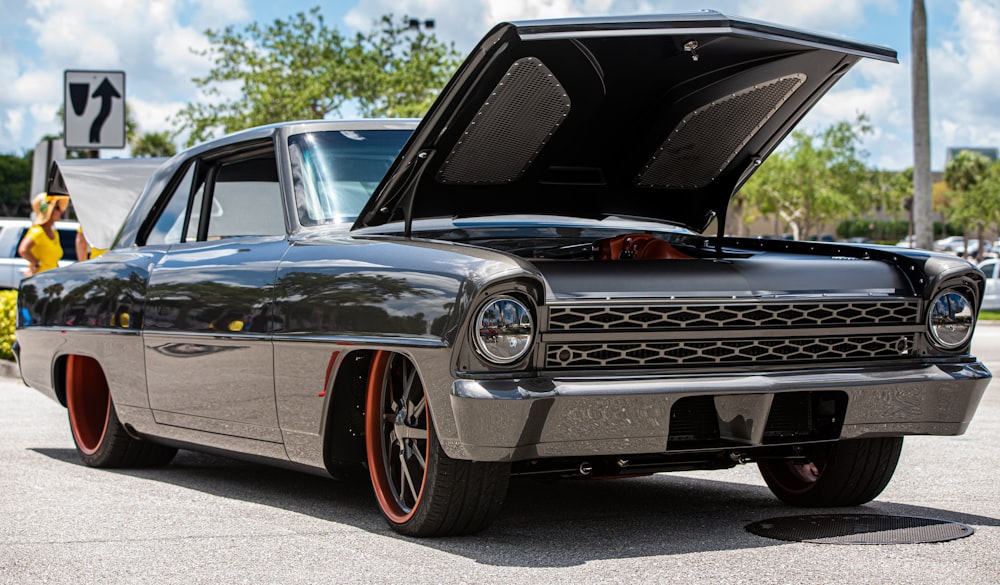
x,y
8,321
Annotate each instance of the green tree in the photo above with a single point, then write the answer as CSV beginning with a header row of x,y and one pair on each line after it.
x,y
821,176
299,68
989,196
152,144
397,72
15,182
893,192
974,184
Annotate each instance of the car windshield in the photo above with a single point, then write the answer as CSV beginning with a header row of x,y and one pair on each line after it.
x,y
335,172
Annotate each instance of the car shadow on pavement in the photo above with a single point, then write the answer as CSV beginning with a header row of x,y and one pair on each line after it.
x,y
567,523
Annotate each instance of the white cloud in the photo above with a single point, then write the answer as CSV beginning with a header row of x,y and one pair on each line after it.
x,y
881,91
176,52
11,127
155,116
964,81
814,14
151,40
211,12
35,87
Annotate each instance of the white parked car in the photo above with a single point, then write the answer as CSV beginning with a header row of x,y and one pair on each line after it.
x,y
991,296
949,244
972,250
957,245
12,266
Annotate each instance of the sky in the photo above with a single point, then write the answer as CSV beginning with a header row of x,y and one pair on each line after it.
x,y
154,43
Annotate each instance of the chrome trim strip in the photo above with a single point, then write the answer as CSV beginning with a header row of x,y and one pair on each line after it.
x,y
369,340
229,336
84,330
395,340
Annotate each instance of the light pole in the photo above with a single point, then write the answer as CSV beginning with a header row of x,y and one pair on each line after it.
x,y
416,24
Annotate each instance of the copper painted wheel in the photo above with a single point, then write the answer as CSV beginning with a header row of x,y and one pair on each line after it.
x,y
396,430
88,402
420,489
101,439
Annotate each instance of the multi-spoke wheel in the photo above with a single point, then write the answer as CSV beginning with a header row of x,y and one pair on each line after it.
x,y
420,490
100,437
845,473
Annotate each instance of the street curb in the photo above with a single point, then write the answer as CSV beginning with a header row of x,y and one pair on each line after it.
x,y
9,369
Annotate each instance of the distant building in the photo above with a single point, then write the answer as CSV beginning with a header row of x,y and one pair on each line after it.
x,y
952,152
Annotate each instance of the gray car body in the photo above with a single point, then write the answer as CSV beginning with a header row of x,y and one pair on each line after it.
x,y
258,346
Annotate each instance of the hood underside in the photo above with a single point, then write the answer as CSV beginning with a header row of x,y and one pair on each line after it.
x,y
102,192
660,117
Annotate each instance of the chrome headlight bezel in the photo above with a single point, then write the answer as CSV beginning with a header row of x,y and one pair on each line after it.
x,y
951,318
504,330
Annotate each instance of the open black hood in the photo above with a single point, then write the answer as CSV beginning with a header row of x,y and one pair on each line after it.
x,y
658,117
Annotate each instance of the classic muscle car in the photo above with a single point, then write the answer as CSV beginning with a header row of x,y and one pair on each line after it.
x,y
532,280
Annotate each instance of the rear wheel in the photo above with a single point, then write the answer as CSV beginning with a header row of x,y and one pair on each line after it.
x,y
100,437
420,490
845,473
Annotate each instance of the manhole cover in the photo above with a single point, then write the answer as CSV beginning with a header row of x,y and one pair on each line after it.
x,y
859,529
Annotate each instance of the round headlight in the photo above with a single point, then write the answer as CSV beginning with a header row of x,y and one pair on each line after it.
x,y
951,319
504,330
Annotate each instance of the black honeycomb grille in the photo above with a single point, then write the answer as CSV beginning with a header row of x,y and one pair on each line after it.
x,y
750,315
707,139
522,113
723,352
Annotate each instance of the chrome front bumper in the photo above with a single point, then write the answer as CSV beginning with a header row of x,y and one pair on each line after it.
x,y
498,420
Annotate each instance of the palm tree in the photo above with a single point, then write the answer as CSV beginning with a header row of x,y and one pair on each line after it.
x,y
153,144
922,187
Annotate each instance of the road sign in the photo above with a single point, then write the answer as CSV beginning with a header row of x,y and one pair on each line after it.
x,y
94,109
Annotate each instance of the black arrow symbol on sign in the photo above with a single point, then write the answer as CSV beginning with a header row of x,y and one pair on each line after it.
x,y
106,92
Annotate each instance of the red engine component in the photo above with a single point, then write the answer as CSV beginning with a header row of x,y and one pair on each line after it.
x,y
636,247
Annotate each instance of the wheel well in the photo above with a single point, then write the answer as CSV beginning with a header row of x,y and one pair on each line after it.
x,y
59,378
344,439
85,367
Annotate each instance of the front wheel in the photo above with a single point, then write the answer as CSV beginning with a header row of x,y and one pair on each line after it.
x,y
845,473
420,490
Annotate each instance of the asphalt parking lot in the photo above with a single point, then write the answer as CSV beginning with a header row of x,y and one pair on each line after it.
x,y
207,519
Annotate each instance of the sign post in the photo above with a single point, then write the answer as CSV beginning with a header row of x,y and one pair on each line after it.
x,y
94,109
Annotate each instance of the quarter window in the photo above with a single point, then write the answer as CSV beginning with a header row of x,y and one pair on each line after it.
x,y
246,200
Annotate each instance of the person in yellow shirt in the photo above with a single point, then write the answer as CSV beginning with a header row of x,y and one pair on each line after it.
x,y
40,245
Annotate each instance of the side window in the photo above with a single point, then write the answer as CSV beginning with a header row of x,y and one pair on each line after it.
x,y
243,198
170,226
990,268
246,200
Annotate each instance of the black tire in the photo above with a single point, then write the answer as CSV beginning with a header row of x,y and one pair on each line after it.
x,y
845,473
420,490
101,439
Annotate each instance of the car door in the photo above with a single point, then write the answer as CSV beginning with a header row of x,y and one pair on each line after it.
x,y
991,296
207,332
